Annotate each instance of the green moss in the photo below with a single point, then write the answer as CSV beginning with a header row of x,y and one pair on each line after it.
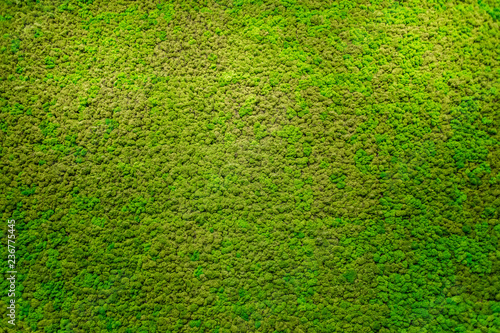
x,y
247,165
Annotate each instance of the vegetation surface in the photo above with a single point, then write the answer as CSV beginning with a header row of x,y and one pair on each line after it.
x,y
247,165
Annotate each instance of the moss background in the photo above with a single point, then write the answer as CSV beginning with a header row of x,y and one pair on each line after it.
x,y
237,166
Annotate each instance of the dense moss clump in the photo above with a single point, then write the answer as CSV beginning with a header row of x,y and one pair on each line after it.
x,y
249,165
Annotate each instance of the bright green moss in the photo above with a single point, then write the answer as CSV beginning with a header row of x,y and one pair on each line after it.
x,y
234,166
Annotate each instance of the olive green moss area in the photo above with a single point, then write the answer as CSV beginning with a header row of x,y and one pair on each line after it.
x,y
251,166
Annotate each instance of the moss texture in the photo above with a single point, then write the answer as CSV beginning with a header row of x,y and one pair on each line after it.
x,y
247,165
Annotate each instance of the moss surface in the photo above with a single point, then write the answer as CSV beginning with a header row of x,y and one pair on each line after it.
x,y
247,165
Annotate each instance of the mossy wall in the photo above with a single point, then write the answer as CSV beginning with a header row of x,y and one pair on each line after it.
x,y
239,166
